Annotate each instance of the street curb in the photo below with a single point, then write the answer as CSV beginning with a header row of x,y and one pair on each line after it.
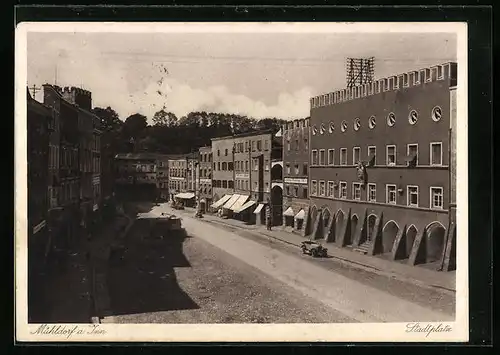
x,y
365,267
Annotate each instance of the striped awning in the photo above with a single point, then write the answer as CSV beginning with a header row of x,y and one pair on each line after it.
x,y
221,201
239,202
300,215
185,195
259,208
246,205
231,201
289,212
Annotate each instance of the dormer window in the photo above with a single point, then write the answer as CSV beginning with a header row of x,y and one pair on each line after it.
x,y
406,81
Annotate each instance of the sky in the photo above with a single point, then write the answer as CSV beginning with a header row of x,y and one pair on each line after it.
x,y
255,74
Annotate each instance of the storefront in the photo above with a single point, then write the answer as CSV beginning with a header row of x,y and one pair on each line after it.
x,y
186,198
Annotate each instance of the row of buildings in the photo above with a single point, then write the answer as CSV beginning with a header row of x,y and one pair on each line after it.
x,y
69,177
372,169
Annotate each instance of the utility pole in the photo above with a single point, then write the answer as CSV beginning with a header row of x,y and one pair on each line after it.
x,y
34,90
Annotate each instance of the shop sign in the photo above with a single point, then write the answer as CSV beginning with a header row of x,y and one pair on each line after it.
x,y
39,226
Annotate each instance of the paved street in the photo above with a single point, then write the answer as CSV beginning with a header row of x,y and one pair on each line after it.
x,y
217,275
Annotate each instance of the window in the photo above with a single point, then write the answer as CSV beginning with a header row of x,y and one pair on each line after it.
x,y
253,146
230,166
288,169
356,155
224,183
322,128
372,193
343,189
266,165
331,156
314,157
304,169
372,155
391,119
391,155
314,187
436,113
246,165
295,191
218,152
304,192
343,156
224,166
390,194
357,124
259,145
266,145
436,154
412,196
322,188
288,145
412,152
230,184
413,117
306,145
267,187
437,198
296,169
322,157
331,127
314,130
287,190
343,126
331,188
356,191
218,165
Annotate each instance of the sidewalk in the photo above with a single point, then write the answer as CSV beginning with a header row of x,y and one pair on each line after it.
x,y
396,269
66,291
100,250
69,286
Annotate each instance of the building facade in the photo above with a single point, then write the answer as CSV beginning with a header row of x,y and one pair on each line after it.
x,y
248,165
135,176
205,177
381,169
183,179
64,183
162,177
39,123
296,171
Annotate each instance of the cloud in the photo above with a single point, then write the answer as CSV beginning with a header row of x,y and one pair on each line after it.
x,y
181,99
113,84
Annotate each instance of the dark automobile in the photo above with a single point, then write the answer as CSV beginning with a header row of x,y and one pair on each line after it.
x,y
313,248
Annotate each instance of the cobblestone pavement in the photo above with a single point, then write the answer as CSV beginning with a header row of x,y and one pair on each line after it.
x,y
219,276
190,281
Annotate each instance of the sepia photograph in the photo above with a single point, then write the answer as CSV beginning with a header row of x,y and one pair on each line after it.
x,y
241,182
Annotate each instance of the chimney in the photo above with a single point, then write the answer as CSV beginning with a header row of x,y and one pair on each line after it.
x,y
78,96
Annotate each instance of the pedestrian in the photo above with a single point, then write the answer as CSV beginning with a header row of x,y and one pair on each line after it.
x,y
268,217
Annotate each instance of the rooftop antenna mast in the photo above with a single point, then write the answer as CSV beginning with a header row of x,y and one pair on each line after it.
x,y
34,90
359,71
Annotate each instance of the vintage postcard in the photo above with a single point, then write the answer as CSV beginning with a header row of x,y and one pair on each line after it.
x,y
253,182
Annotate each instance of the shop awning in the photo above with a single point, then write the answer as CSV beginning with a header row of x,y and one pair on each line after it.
x,y
185,195
289,212
259,208
246,205
203,200
231,201
221,201
300,215
239,202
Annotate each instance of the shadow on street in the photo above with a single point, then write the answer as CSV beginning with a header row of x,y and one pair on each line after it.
x,y
141,277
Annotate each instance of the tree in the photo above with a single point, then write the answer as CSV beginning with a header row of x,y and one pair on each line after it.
x,y
109,118
134,125
164,118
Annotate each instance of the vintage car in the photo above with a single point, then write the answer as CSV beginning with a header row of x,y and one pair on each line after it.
x,y
314,249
